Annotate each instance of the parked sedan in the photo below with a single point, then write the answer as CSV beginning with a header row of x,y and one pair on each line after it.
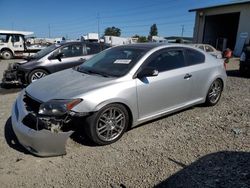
x,y
49,60
118,88
209,49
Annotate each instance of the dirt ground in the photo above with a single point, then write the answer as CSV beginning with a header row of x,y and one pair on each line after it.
x,y
198,147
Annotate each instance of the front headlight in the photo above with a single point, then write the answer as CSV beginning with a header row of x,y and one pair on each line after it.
x,y
57,107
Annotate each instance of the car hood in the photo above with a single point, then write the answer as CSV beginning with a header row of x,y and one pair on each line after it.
x,y
22,62
65,84
28,64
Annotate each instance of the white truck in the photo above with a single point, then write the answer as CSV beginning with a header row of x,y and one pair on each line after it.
x,y
12,44
114,40
91,37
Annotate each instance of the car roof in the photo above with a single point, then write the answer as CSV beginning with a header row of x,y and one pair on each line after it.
x,y
76,42
199,44
149,46
66,43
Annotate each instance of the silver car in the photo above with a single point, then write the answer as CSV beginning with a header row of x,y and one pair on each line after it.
x,y
118,88
209,49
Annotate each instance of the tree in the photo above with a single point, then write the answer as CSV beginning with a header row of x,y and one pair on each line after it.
x,y
112,31
153,31
141,38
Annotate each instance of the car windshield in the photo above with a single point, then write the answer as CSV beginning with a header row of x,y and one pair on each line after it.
x,y
113,62
45,51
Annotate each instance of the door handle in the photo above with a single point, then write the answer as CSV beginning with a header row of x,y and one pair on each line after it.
x,y
187,76
82,59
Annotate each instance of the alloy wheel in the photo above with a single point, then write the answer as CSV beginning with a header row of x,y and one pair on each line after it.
x,y
215,91
37,75
110,124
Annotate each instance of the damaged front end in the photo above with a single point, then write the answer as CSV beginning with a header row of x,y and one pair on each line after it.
x,y
40,132
12,75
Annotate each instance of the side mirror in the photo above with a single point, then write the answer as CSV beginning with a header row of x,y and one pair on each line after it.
x,y
57,56
147,72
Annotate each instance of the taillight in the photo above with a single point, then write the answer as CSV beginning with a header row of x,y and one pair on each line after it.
x,y
225,65
225,62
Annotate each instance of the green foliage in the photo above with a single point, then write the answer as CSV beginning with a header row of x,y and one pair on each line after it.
x,y
112,31
179,40
153,30
141,39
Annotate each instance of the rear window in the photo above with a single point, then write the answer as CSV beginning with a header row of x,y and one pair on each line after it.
x,y
194,57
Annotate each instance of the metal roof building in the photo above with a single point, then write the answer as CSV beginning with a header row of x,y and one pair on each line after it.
x,y
223,26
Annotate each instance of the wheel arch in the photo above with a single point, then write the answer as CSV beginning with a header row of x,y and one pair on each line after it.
x,y
41,68
222,81
7,49
127,107
218,78
214,77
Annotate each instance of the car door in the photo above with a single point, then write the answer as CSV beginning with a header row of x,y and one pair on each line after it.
x,y
200,71
18,42
167,91
72,55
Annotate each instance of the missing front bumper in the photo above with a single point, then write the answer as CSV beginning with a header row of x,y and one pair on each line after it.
x,y
39,142
11,75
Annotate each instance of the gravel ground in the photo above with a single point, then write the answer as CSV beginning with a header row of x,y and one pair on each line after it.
x,y
198,147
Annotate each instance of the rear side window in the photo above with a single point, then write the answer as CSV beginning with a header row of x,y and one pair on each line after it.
x,y
16,38
167,60
208,49
201,47
72,50
93,48
194,57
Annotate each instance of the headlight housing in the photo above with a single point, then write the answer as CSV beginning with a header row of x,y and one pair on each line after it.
x,y
57,107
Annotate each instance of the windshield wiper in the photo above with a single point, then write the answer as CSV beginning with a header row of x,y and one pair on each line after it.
x,y
93,72
28,58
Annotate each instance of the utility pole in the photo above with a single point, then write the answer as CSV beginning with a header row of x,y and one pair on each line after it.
x,y
49,30
98,24
182,30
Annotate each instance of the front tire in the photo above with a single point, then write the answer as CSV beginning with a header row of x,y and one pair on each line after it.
x,y
214,93
7,54
36,74
108,124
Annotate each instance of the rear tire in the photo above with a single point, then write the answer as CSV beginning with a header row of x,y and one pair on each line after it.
x,y
107,125
36,74
7,54
214,93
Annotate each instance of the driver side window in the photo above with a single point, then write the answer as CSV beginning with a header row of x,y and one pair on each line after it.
x,y
167,60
